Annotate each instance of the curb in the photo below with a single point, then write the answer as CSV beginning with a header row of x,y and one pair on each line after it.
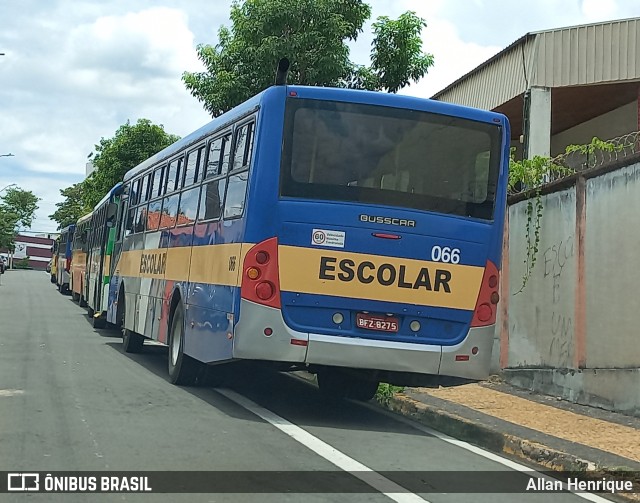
x,y
498,442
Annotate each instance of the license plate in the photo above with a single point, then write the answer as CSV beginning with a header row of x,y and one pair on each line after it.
x,y
381,323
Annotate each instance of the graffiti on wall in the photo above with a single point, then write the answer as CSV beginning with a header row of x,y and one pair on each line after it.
x,y
557,259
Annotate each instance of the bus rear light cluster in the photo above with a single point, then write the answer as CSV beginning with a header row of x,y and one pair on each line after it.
x,y
260,281
488,298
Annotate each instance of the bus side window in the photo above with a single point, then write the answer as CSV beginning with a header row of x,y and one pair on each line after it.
x,y
156,184
191,167
226,154
211,199
243,146
213,159
169,211
188,209
236,195
154,213
134,197
173,176
199,174
144,189
130,222
140,219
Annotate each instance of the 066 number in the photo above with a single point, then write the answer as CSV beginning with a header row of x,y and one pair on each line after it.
x,y
445,254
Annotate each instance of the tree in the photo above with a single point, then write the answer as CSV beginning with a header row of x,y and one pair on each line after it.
x,y
8,222
115,156
71,208
17,209
130,145
313,34
22,203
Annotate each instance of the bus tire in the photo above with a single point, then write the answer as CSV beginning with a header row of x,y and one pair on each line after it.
x,y
98,322
333,384
183,370
75,296
362,390
53,279
131,341
82,302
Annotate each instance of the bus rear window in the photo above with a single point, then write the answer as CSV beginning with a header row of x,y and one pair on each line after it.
x,y
390,156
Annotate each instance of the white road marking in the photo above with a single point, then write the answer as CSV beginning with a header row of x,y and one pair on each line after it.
x,y
486,454
11,392
331,454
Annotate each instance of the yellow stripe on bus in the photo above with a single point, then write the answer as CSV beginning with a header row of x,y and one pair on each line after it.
x,y
214,264
376,277
317,271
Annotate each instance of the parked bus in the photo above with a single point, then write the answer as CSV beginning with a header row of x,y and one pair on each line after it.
x,y
54,261
63,265
79,255
353,234
100,241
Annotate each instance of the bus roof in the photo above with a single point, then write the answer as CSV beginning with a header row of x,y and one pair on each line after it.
x,y
395,101
321,93
84,218
197,135
115,190
68,228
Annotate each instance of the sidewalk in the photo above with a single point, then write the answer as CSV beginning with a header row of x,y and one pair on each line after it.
x,y
553,434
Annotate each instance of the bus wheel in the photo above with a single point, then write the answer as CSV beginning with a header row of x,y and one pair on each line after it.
x,y
362,390
333,383
131,341
53,279
98,322
75,296
182,368
82,302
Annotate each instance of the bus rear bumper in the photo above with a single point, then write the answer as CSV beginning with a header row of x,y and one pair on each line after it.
x,y
453,361
478,365
287,345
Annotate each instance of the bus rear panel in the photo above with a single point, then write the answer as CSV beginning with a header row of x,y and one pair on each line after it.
x,y
385,240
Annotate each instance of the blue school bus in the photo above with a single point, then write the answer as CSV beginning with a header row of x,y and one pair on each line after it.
x,y
353,234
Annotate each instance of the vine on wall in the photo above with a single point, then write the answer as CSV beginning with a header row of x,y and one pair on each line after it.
x,y
530,175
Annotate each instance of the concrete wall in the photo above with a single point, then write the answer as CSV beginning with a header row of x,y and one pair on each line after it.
x,y
572,330
541,326
612,253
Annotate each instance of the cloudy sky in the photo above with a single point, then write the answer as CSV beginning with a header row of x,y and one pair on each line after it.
x,y
73,72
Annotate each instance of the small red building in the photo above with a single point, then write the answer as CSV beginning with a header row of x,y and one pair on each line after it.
x,y
37,248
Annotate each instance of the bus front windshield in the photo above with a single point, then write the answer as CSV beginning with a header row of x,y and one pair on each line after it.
x,y
391,156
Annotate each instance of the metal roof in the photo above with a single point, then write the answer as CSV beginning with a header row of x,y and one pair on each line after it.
x,y
587,54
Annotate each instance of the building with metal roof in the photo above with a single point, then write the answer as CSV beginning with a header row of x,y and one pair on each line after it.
x,y
560,87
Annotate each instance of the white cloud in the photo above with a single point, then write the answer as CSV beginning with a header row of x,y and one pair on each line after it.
x,y
599,10
452,57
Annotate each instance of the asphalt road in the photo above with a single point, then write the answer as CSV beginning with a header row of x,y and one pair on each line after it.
x,y
71,400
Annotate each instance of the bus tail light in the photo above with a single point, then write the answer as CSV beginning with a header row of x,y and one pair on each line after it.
x,y
67,264
260,279
488,298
